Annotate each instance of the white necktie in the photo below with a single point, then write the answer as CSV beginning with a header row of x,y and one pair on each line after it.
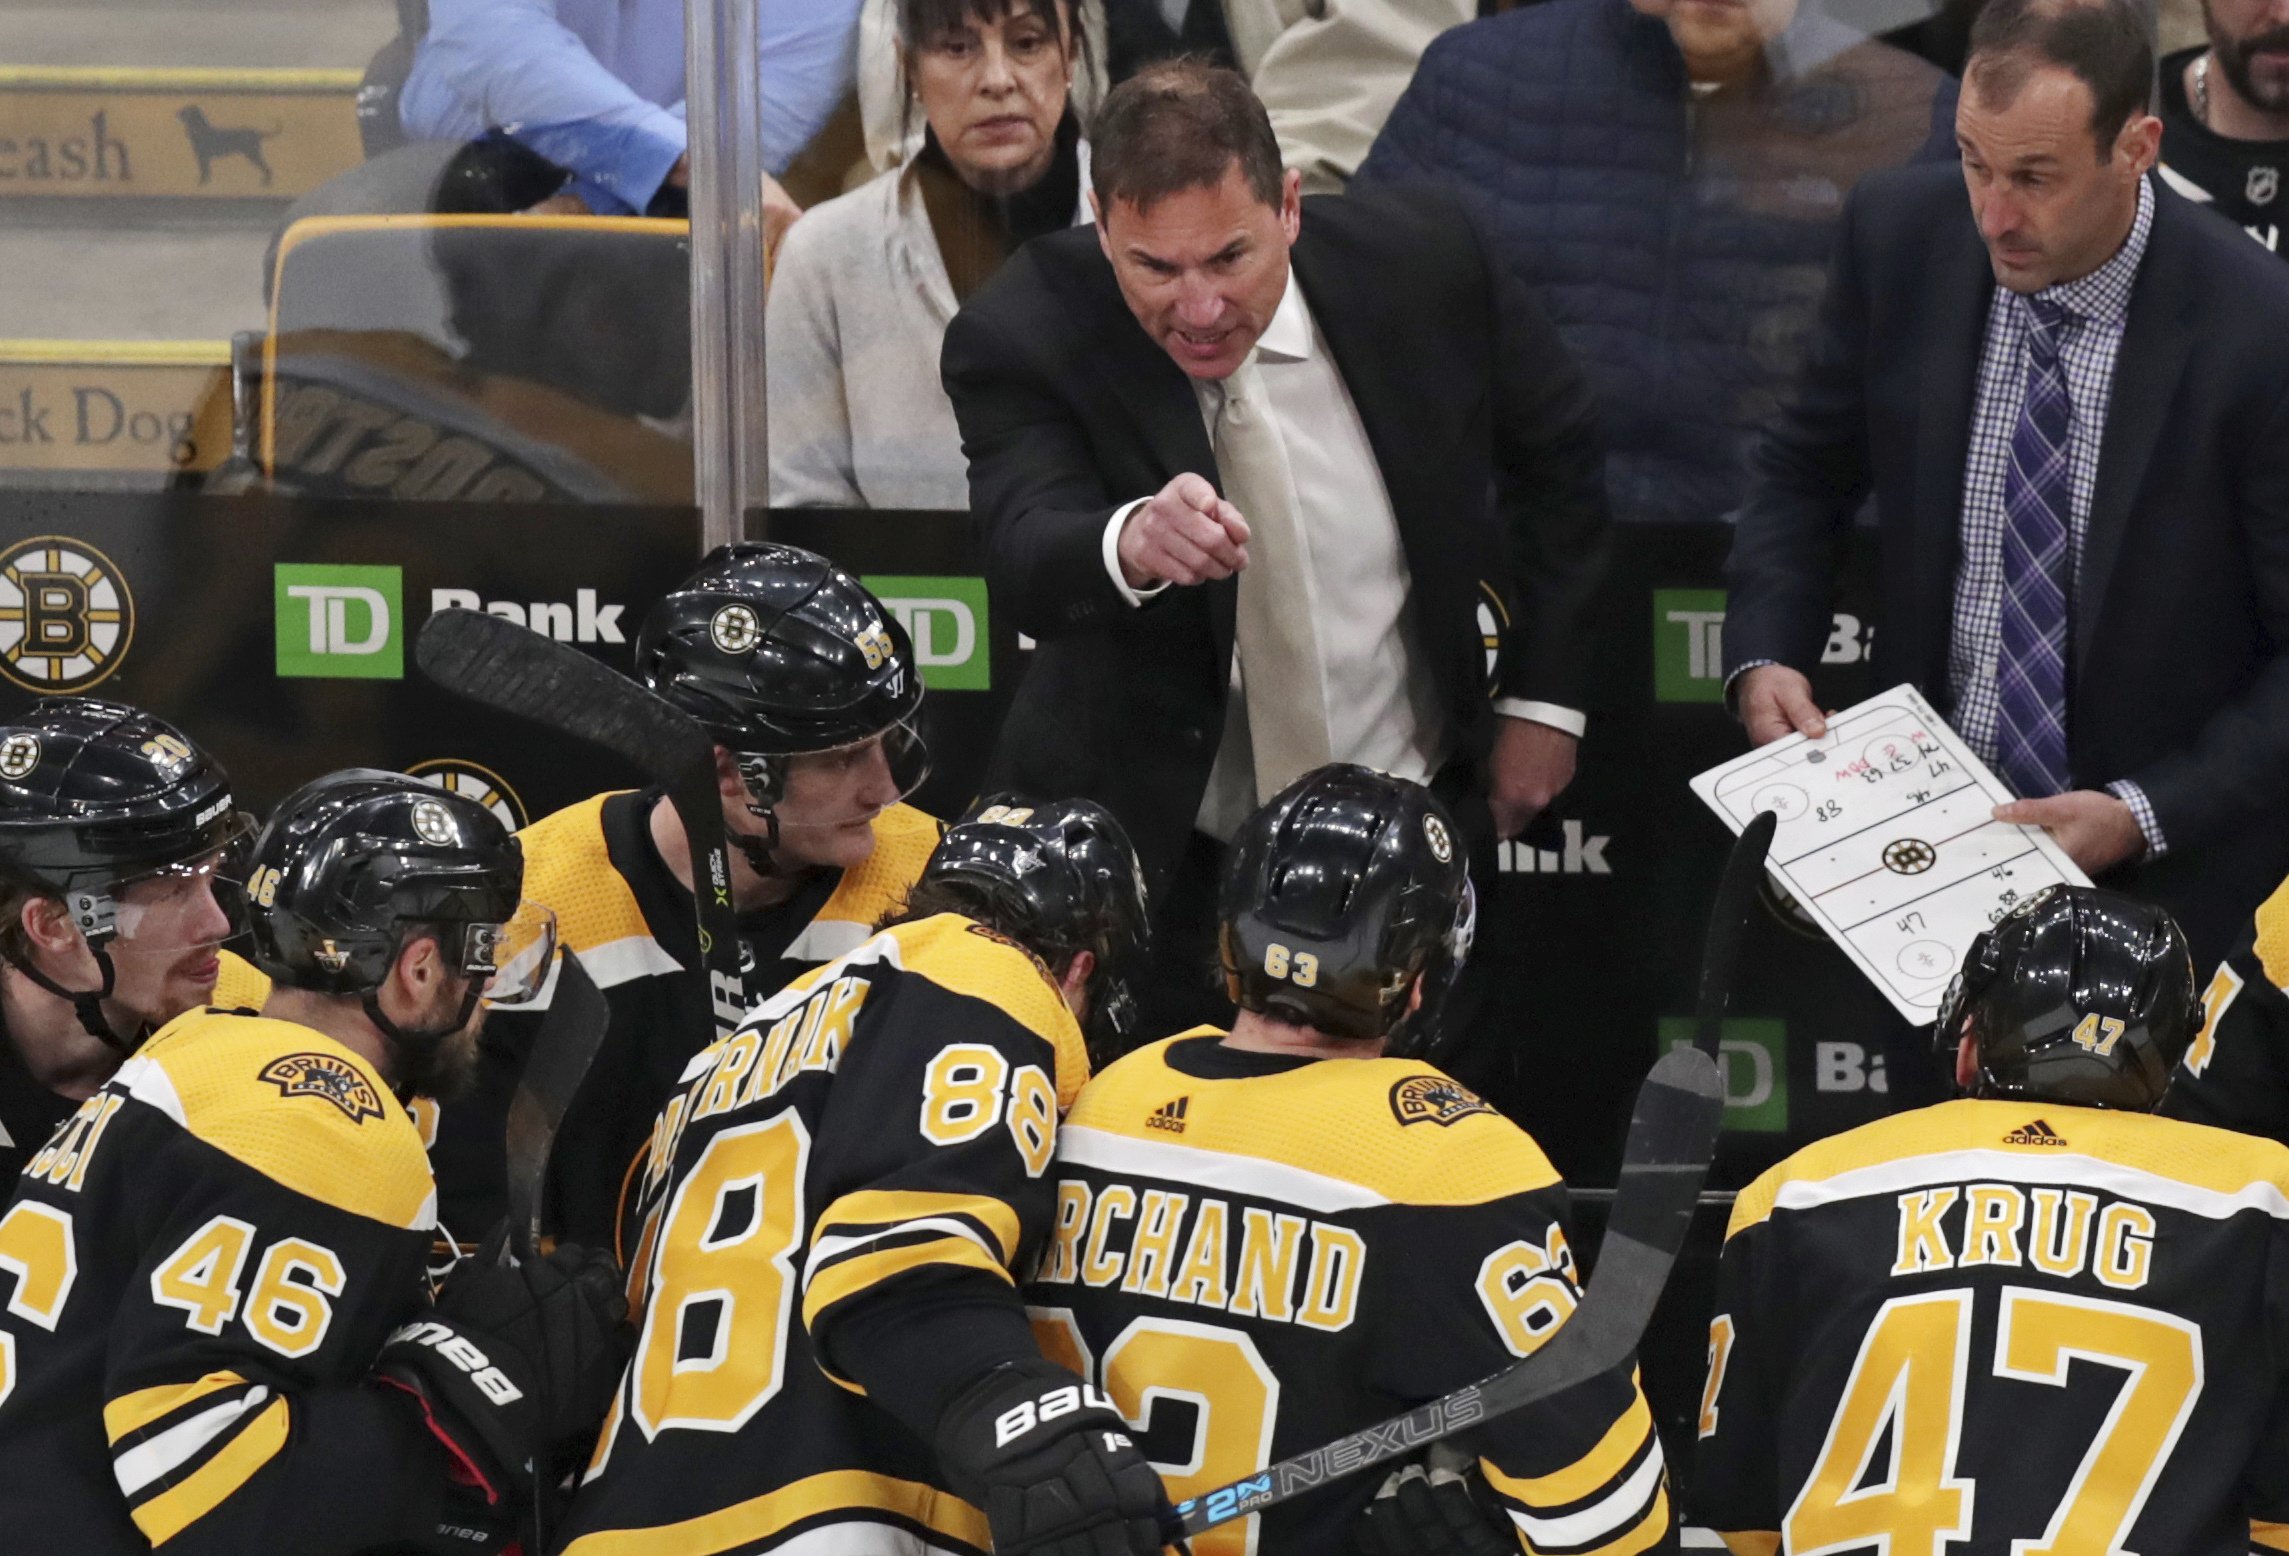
x,y
1285,677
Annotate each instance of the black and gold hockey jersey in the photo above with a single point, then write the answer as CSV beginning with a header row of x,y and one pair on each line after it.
x,y
1255,1254
628,920
2236,1073
883,1126
1989,1328
199,1269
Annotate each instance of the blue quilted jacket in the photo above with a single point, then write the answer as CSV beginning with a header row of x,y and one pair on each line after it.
x,y
1678,240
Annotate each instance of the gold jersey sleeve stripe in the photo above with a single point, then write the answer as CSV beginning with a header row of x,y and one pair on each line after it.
x,y
861,1272
748,1525
1751,1542
365,1158
205,1489
131,1413
2211,1163
887,1208
2272,1537
1593,1472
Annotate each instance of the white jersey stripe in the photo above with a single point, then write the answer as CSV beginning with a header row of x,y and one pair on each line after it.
x,y
1252,1175
1603,1519
154,1457
1914,1172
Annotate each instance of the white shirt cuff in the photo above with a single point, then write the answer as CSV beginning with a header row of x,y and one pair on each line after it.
x,y
1572,720
1112,554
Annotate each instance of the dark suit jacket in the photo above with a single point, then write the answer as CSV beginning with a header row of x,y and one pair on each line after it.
x,y
1482,427
2178,672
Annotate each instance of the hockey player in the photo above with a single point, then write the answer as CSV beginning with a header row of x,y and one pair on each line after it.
x,y
202,1265
2236,1073
834,1355
2032,1319
1270,1237
112,825
811,691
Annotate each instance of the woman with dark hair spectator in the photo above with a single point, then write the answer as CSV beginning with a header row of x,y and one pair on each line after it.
x,y
867,282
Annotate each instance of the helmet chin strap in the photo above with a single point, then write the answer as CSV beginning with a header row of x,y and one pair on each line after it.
x,y
417,1046
87,1004
761,853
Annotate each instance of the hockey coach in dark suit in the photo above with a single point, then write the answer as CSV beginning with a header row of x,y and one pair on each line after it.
x,y
1273,482
2068,395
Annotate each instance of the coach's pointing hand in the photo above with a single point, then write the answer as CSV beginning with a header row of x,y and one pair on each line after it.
x,y
1185,535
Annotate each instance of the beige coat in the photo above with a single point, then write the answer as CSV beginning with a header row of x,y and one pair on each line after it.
x,y
859,303
1328,72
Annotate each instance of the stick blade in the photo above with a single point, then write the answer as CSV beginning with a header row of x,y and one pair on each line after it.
x,y
514,670
570,1033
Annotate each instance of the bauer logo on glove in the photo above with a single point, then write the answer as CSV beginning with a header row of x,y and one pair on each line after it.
x,y
1023,1417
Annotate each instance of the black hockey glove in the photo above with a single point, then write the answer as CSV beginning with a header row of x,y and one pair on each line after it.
x,y
1434,1510
1052,1465
515,1360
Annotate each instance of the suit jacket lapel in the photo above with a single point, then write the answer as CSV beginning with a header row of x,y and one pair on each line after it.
x,y
1962,291
2157,340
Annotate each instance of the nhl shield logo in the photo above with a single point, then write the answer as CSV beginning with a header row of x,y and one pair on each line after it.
x,y
328,1078
2263,184
19,754
66,616
1433,1099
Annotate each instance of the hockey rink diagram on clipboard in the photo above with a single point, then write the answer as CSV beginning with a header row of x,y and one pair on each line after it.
x,y
1886,839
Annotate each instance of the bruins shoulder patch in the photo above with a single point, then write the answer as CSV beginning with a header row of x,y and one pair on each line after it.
x,y
325,1076
1433,1099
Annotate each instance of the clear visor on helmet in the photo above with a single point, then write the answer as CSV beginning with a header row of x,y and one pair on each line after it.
x,y
178,907
512,958
845,785
1465,931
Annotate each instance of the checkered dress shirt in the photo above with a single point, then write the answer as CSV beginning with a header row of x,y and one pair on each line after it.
x,y
2098,307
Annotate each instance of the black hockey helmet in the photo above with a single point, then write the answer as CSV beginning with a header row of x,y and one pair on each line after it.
x,y
352,864
94,797
778,653
1339,893
2078,995
1061,877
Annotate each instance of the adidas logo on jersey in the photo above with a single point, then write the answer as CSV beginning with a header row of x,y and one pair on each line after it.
x,y
2036,1133
1169,1116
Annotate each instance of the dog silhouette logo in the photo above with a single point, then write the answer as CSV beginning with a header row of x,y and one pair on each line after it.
x,y
211,142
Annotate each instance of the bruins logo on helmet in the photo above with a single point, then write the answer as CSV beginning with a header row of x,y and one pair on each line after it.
x,y
735,629
435,824
1433,1099
324,1076
19,754
66,616
1435,833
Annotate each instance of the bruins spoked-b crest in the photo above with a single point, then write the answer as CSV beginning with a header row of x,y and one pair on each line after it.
x,y
327,1077
66,616
19,754
481,784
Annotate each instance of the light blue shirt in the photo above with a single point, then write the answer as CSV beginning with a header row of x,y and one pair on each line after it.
x,y
597,86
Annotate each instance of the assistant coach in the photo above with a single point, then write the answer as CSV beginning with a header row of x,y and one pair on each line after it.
x,y
1266,477
2069,396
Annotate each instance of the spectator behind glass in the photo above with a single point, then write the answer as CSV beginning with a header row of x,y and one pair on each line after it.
x,y
865,287
1667,174
597,87
2225,117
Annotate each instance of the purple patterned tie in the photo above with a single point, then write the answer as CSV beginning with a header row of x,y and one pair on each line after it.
x,y
2031,672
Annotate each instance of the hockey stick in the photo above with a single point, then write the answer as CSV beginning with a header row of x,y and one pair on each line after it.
x,y
516,671
1672,1137
569,1036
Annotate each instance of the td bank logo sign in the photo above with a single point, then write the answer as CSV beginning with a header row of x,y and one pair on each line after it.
x,y
339,622
946,618
1753,1054
1689,644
